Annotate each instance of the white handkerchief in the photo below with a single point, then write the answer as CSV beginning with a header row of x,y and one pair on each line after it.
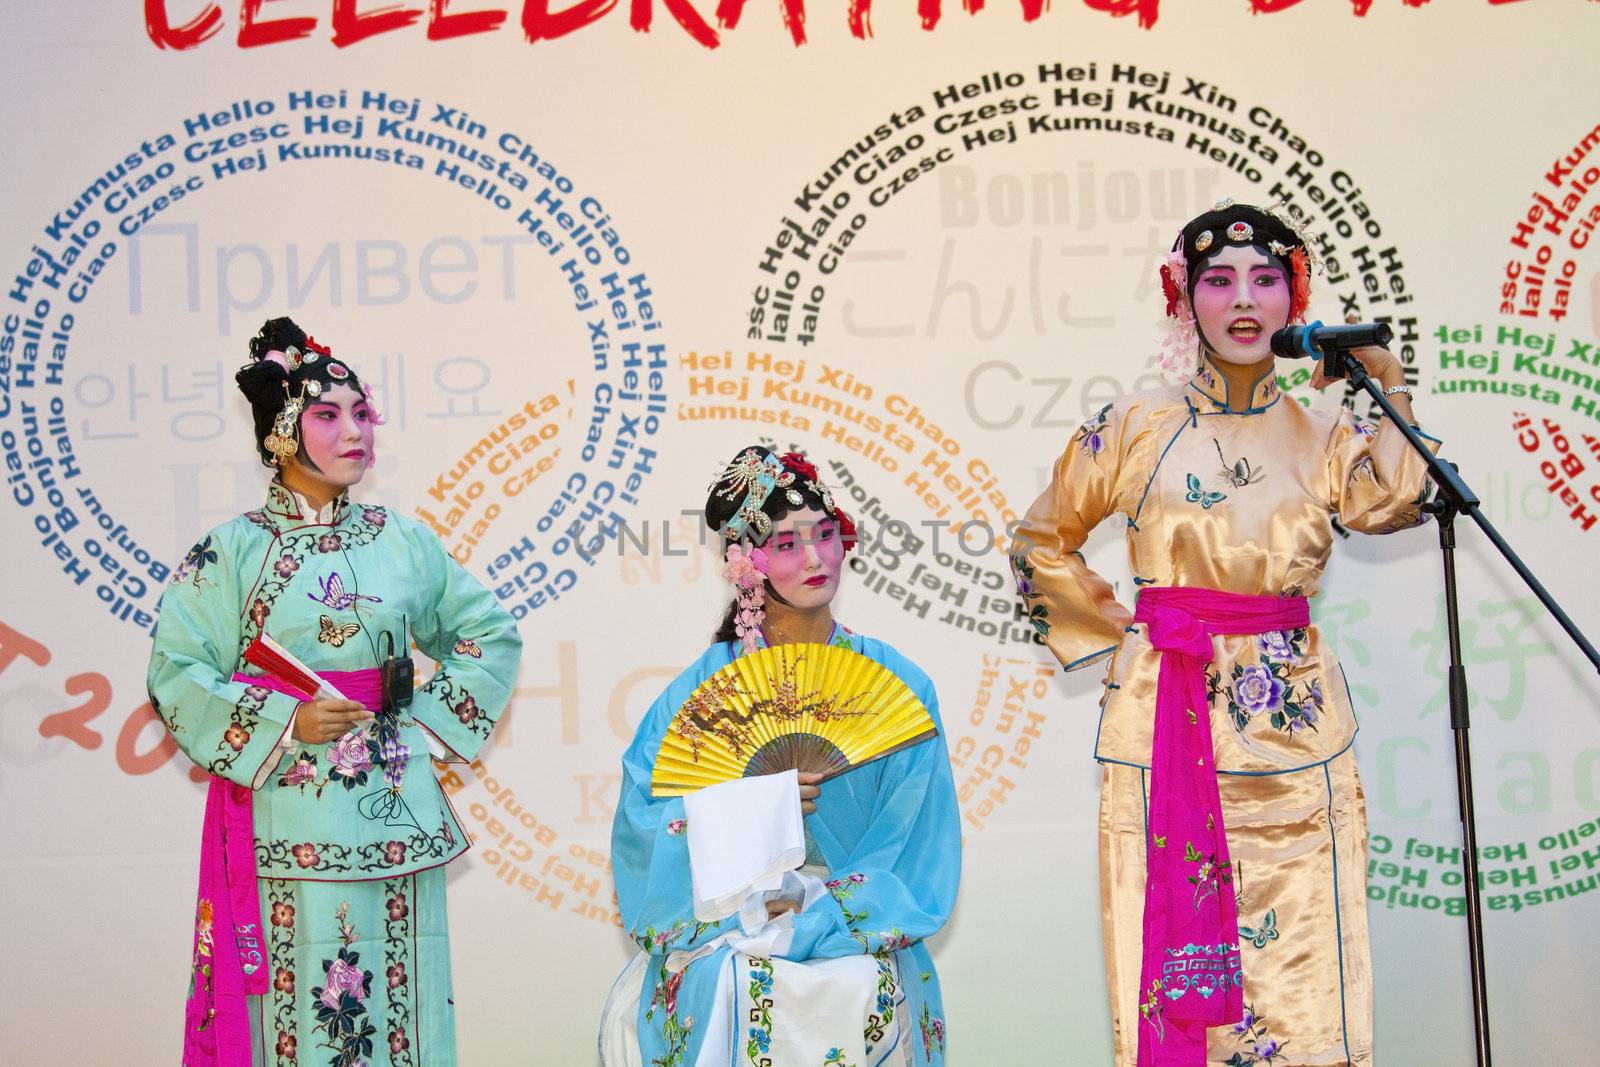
x,y
743,836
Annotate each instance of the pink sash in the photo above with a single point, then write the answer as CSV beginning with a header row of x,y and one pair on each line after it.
x,y
1191,977
232,966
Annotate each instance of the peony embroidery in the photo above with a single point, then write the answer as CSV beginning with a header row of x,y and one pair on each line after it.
x,y
350,760
1257,690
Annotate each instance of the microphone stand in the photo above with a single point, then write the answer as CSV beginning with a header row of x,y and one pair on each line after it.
x,y
1455,498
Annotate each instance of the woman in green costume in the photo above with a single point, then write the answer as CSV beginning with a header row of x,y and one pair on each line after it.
x,y
350,828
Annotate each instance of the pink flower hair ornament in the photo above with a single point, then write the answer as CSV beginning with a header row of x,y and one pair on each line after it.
x,y
1180,349
747,571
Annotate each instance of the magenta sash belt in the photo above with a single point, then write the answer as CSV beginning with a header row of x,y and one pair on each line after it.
x,y
229,952
1191,978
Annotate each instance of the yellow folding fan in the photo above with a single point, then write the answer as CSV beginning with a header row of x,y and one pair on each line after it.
x,y
803,707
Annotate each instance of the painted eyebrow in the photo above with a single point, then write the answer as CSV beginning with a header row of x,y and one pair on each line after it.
x,y
330,404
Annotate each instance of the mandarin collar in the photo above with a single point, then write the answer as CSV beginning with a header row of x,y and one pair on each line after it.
x,y
1214,387
289,507
761,638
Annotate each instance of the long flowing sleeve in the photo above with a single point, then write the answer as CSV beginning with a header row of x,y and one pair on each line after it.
x,y
475,642
1072,607
231,729
897,826
649,839
1377,482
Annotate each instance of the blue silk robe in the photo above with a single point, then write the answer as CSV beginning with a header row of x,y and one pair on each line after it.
x,y
889,833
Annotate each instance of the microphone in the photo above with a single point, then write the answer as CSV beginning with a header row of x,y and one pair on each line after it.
x,y
1311,340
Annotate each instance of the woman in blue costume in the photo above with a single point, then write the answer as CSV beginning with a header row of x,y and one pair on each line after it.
x,y
854,984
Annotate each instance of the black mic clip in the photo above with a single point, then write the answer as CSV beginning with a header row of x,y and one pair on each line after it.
x,y
398,674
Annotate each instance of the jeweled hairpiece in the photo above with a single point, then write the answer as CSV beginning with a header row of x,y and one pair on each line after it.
x,y
755,473
284,440
1202,242
1280,211
1241,232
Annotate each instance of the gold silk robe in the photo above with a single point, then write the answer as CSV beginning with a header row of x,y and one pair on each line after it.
x,y
1235,494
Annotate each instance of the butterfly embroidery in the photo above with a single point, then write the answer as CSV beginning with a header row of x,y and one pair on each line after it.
x,y
1239,473
334,596
468,648
1268,931
1204,497
335,634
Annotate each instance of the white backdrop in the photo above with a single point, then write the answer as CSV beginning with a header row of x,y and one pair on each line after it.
x,y
991,194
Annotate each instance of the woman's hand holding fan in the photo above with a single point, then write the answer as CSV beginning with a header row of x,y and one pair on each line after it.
x,y
818,709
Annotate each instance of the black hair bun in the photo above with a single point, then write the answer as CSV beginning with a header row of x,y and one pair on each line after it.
x,y
262,383
275,336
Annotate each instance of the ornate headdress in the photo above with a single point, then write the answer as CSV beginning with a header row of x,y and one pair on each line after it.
x,y
746,486
1274,232
287,370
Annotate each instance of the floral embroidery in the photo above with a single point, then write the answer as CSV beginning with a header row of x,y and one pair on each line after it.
x,y
835,1058
658,941
674,1032
280,856
468,648
1266,688
236,737
932,1028
1038,614
879,1021
1091,436
396,948
341,1000
1257,689
301,773
286,566
329,542
459,700
1152,1008
894,941
194,562
280,946
1261,1048
677,827
283,981
246,714
350,759
200,966
841,888
759,1040
1285,646
1209,875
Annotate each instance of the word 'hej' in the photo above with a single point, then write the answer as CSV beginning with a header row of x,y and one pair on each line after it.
x,y
540,23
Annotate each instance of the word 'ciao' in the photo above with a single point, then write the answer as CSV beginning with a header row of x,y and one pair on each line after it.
x,y
539,23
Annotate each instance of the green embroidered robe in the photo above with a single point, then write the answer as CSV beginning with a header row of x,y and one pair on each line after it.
x,y
328,587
